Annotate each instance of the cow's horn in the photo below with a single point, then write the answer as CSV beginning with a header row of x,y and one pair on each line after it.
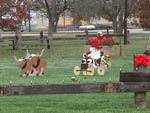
x,y
16,59
27,52
42,52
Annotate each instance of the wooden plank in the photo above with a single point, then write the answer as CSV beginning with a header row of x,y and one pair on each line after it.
x,y
135,76
95,35
11,36
135,87
62,89
81,38
110,87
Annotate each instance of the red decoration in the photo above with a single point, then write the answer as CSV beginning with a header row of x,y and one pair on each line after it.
x,y
100,37
139,60
100,40
94,43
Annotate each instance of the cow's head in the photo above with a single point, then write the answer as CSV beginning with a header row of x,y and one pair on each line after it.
x,y
35,61
22,62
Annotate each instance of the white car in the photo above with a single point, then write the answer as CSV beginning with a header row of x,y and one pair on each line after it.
x,y
86,26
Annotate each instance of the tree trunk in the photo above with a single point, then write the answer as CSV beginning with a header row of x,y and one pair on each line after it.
x,y
50,33
1,40
115,25
29,21
120,22
55,25
18,40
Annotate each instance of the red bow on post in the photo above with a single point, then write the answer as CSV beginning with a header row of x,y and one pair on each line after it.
x,y
139,60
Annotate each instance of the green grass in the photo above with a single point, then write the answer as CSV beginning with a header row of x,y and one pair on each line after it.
x,y
61,60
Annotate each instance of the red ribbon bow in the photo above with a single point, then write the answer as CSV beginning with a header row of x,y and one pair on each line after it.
x,y
139,60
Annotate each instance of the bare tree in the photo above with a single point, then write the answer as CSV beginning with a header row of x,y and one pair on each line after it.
x,y
111,10
114,11
141,13
83,9
52,9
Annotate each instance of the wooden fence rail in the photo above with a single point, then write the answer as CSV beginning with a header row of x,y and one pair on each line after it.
x,y
109,87
60,89
136,82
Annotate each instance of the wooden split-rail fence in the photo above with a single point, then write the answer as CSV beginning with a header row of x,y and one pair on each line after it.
x,y
136,82
40,38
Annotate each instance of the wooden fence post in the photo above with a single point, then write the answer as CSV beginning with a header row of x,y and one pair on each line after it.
x,y
120,47
128,36
1,38
140,97
107,30
147,50
13,44
87,34
48,44
41,37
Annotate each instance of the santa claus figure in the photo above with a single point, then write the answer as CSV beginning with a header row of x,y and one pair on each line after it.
x,y
94,53
94,58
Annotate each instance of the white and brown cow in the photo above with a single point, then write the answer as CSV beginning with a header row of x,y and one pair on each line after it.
x,y
32,65
25,65
39,65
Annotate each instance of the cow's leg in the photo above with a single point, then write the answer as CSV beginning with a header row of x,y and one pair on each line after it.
x,y
38,71
27,73
31,73
41,71
44,69
24,74
35,72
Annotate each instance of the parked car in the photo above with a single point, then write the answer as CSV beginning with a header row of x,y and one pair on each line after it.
x,y
87,26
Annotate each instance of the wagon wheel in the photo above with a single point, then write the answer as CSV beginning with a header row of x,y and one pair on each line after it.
x,y
77,70
101,71
90,71
84,73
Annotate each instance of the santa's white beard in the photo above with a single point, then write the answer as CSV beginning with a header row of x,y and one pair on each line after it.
x,y
95,54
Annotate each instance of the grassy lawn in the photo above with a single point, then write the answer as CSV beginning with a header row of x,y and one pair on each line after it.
x,y
61,61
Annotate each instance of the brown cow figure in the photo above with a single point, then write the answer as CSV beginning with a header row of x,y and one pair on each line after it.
x,y
32,65
39,65
25,65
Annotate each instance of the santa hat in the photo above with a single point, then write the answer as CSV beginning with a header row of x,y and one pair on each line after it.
x,y
100,36
100,33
